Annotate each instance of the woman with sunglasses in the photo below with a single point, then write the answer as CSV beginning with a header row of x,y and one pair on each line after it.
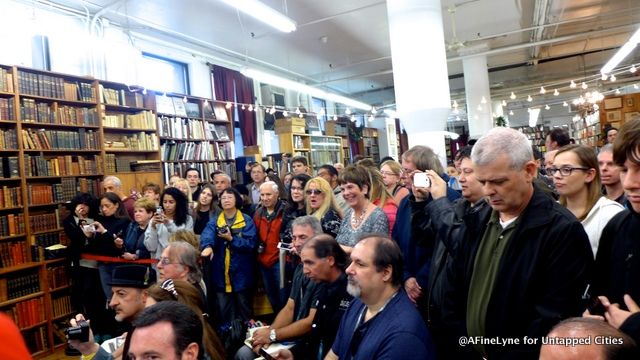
x,y
363,216
295,205
321,203
229,240
577,180
391,171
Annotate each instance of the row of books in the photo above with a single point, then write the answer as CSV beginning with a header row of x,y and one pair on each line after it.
x,y
185,128
67,165
140,141
45,221
43,194
57,277
22,285
6,80
175,168
11,224
8,139
6,109
10,197
10,167
27,313
43,139
113,164
48,239
55,87
121,97
46,113
142,120
36,339
61,306
176,151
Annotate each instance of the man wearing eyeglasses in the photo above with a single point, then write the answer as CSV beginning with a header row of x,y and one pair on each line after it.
x,y
179,261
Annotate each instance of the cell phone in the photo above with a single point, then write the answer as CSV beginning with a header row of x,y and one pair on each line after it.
x,y
421,180
595,307
285,246
89,228
159,210
265,354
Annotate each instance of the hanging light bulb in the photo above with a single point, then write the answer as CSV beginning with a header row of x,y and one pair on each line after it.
x,y
250,107
206,102
604,77
613,78
285,113
617,91
556,92
321,112
335,117
371,118
635,86
512,96
510,112
633,69
564,103
353,118
144,91
273,109
184,99
504,102
347,111
228,105
529,98
243,108
573,84
483,100
542,90
301,116
547,107
455,104
457,118
297,110
479,107
584,85
373,110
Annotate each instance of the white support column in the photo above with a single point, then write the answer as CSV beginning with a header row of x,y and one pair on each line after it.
x,y
420,70
476,85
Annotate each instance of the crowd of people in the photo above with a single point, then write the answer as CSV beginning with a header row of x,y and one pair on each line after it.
x,y
510,256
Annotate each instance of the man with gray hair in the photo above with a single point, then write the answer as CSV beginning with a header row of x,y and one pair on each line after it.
x,y
523,265
114,184
221,182
179,261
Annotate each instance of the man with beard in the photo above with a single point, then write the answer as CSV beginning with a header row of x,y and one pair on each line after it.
x,y
381,322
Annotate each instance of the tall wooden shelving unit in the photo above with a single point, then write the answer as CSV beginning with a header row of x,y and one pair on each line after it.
x,y
194,132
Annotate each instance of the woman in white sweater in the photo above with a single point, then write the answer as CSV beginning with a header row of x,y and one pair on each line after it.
x,y
172,215
577,180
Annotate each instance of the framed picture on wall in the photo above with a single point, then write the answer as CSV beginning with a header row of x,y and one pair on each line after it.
x,y
614,115
629,102
630,115
613,103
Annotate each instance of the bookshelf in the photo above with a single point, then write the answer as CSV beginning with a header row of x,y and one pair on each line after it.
x,y
586,133
130,143
194,132
537,135
369,145
341,129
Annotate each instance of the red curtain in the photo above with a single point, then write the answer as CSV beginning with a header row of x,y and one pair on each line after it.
x,y
231,85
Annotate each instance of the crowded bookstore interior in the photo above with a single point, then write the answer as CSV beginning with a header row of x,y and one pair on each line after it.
x,y
296,179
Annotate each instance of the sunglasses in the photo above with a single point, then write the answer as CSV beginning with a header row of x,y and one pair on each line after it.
x,y
314,192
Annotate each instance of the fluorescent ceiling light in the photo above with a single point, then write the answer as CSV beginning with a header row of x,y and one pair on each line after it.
x,y
625,50
306,89
262,12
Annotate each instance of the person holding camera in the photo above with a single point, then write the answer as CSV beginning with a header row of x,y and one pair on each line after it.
x,y
172,215
229,240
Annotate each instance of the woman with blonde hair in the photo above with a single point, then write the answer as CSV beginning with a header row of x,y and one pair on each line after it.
x,y
321,203
382,198
183,185
577,180
184,292
391,171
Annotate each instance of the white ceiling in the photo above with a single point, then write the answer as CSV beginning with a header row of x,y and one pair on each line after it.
x,y
344,44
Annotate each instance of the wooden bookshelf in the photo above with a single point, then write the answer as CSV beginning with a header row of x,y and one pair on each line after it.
x,y
341,129
194,132
369,144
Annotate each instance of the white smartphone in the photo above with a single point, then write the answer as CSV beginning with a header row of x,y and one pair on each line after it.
x,y
421,180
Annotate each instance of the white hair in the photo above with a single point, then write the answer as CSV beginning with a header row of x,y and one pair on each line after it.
x,y
273,185
225,175
502,141
113,179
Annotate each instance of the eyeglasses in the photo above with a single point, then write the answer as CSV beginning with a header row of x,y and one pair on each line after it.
x,y
565,170
314,192
166,261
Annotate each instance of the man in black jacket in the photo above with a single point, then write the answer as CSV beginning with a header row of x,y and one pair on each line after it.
x,y
521,267
618,261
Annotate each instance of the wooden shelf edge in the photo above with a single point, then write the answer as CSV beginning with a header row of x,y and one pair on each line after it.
x,y
34,326
21,299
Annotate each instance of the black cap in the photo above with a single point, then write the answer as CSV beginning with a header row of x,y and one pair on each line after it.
x,y
135,276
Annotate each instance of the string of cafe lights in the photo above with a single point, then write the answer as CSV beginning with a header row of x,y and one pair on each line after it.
x,y
533,93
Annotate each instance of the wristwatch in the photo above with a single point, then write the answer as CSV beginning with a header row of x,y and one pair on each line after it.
x,y
272,335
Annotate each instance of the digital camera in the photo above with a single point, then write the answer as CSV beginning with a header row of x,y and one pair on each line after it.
x,y
80,332
223,229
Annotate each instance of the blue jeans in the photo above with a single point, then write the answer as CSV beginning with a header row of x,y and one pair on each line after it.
x,y
106,273
271,281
